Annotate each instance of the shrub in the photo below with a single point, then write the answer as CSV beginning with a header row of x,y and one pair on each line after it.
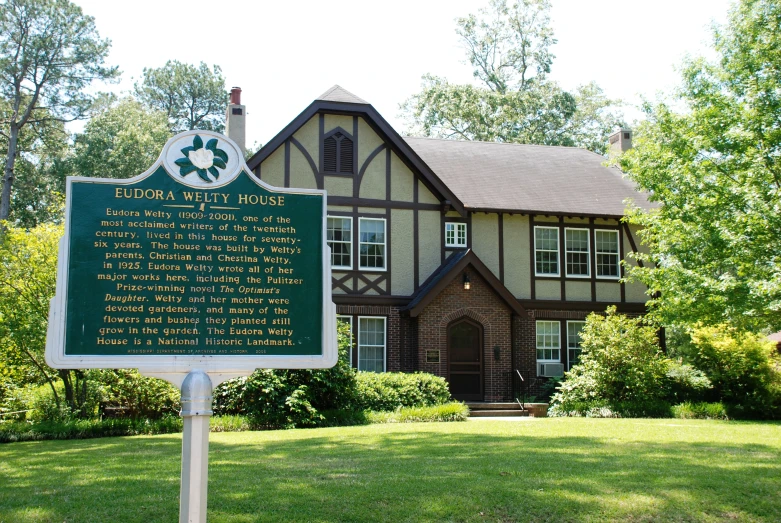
x,y
290,398
620,368
126,393
701,410
82,429
743,368
454,411
391,390
686,383
616,409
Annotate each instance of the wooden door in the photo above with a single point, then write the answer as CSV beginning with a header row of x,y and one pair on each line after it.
x,y
465,351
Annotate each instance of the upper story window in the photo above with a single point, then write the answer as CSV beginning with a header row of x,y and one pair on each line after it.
x,y
371,243
455,234
577,250
546,251
607,256
339,237
338,152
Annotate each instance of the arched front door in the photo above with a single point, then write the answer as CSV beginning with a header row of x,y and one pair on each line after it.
x,y
465,350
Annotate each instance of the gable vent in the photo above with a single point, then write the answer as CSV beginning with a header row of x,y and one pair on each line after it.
x,y
338,154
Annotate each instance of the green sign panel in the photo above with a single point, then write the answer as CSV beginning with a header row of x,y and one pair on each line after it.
x,y
195,258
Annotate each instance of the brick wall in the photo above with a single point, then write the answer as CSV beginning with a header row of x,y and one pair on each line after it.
x,y
483,305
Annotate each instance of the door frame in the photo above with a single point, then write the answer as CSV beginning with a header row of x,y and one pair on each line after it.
x,y
481,353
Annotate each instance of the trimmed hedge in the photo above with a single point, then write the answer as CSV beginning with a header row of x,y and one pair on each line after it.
x,y
84,429
389,391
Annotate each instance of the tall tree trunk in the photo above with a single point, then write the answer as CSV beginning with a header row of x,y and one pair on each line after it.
x,y
8,172
65,374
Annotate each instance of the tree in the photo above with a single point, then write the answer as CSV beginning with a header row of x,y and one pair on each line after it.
x,y
192,97
508,47
715,241
121,141
49,53
28,267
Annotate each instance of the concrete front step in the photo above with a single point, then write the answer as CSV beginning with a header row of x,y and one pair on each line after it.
x,y
480,405
486,409
494,413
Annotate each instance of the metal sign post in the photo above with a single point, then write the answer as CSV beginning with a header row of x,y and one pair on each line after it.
x,y
194,272
196,411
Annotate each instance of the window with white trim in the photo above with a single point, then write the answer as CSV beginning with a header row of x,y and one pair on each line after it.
x,y
573,341
371,243
548,341
371,343
347,320
577,253
546,251
339,236
455,234
606,251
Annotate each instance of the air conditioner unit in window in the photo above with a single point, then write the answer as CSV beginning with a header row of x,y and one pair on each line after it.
x,y
550,369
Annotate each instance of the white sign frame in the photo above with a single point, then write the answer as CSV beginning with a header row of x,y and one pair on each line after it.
x,y
173,367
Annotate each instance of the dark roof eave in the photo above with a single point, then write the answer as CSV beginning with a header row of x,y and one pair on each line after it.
x,y
374,117
419,304
570,214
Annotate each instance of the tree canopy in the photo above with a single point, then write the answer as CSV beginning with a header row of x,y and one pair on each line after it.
x,y
508,47
121,141
49,53
710,156
192,97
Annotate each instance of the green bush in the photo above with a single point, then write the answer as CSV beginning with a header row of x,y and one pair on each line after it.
x,y
621,368
744,370
454,411
612,409
391,390
686,383
700,410
126,393
89,428
290,398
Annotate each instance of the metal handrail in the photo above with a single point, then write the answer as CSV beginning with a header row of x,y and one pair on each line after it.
x,y
522,400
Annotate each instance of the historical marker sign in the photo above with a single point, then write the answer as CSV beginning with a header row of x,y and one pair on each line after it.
x,y
194,264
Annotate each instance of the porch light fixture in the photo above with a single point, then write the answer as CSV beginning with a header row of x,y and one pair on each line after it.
x,y
467,283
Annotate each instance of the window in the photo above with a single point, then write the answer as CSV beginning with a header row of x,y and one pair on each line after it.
x,y
347,320
577,251
338,152
371,343
606,247
573,341
548,341
455,234
546,251
371,243
339,235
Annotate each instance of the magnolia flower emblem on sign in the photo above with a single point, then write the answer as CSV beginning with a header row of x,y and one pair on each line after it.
x,y
200,159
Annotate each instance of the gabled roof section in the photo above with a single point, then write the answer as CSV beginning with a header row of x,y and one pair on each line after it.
x,y
448,271
535,179
339,94
339,100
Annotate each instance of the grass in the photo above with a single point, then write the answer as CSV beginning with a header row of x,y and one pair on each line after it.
x,y
537,470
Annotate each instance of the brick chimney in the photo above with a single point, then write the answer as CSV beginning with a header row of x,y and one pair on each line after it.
x,y
234,119
621,140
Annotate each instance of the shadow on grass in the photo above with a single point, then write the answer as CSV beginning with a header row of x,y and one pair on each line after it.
x,y
399,474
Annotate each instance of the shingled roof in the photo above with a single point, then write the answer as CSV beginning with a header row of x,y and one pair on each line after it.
x,y
528,178
338,93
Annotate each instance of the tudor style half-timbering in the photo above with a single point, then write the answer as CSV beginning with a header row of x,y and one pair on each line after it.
x,y
471,260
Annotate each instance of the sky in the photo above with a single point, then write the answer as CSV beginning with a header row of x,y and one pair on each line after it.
x,y
285,54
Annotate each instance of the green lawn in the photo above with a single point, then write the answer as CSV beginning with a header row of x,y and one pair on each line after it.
x,y
537,470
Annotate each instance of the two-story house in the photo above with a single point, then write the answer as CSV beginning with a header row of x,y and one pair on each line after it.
x,y
469,260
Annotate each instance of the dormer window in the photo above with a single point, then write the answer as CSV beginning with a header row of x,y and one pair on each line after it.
x,y
338,152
